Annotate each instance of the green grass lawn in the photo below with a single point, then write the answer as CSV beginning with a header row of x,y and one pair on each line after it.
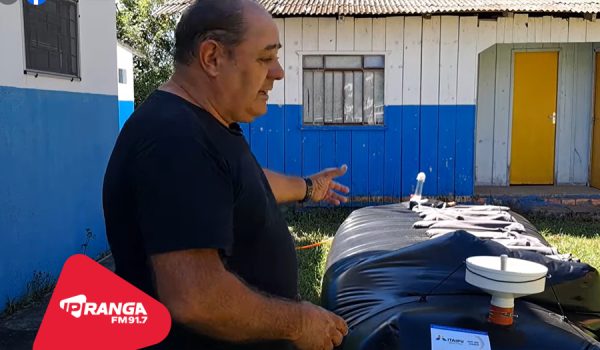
x,y
578,237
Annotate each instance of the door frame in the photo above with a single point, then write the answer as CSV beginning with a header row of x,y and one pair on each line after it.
x,y
552,48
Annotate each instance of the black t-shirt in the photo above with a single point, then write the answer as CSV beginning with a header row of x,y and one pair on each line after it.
x,y
178,179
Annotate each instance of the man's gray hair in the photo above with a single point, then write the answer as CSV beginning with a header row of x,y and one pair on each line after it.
x,y
219,20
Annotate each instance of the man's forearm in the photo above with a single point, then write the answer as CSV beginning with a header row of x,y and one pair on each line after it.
x,y
286,188
231,311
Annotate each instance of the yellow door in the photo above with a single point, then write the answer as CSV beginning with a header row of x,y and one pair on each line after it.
x,y
595,181
534,118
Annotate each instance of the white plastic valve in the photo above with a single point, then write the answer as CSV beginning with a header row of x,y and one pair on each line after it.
x,y
419,189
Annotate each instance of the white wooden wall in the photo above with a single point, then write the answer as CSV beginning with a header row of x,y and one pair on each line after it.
x,y
433,61
574,112
425,63
97,48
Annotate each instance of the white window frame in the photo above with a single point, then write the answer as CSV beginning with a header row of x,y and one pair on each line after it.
x,y
301,55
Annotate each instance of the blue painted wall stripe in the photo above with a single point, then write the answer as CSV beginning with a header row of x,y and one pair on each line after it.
x,y
293,140
258,140
360,163
393,152
446,147
343,155
465,154
327,150
376,168
383,161
310,152
429,148
275,138
54,147
410,148
125,110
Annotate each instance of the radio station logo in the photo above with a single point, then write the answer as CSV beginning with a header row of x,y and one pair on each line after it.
x,y
91,302
121,313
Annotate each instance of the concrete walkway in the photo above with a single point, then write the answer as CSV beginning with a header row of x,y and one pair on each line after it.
x,y
550,201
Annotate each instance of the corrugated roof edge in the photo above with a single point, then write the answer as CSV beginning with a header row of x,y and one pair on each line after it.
x,y
338,10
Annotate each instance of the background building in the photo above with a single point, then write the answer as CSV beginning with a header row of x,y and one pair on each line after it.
x,y
58,122
472,93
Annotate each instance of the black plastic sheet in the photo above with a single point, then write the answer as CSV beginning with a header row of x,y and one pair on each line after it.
x,y
391,283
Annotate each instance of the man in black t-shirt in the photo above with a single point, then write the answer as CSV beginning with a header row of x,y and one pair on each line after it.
x,y
191,217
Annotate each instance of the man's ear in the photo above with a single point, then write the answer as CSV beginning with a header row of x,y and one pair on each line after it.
x,y
210,56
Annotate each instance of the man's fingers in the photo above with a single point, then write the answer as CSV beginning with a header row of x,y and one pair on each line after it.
x,y
341,325
337,197
337,338
339,187
333,201
336,172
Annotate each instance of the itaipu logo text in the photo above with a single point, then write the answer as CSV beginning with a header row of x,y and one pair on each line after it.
x,y
120,313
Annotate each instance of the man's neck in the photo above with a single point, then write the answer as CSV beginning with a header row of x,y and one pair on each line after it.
x,y
194,92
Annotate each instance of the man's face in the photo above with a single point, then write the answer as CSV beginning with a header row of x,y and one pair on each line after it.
x,y
253,67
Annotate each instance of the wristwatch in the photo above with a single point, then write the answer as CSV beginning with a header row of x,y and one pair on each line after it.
x,y
309,190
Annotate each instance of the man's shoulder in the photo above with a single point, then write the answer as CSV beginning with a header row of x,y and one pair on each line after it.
x,y
163,107
163,113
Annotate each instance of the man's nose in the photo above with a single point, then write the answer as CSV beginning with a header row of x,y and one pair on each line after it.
x,y
276,71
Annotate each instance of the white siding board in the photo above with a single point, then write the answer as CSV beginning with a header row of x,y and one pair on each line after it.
x,y
564,124
509,30
394,62
484,145
502,115
520,28
327,33
293,44
486,34
467,61
379,34
430,66
412,61
531,29
560,30
583,113
592,31
363,34
539,30
534,46
546,29
277,95
448,60
345,34
576,30
310,34
500,26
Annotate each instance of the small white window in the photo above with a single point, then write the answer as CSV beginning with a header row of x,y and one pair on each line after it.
x,y
122,76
